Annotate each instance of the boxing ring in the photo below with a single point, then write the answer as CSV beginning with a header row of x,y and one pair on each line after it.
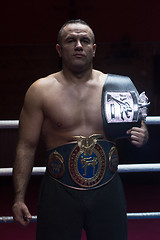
x,y
122,168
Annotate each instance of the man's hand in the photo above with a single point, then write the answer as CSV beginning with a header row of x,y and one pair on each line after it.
x,y
21,213
138,135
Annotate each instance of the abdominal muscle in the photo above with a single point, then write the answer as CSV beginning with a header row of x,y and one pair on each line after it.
x,y
57,136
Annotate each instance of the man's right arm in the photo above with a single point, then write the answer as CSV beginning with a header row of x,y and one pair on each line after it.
x,y
31,120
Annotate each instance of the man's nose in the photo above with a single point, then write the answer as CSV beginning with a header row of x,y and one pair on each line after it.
x,y
78,45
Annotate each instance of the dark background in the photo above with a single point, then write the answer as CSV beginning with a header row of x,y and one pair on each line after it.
x,y
128,43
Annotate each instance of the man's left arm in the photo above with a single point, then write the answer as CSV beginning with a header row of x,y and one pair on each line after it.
x,y
138,135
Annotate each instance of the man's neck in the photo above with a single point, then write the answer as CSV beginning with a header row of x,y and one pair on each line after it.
x,y
78,77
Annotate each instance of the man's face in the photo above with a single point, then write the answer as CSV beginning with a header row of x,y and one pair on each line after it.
x,y
76,48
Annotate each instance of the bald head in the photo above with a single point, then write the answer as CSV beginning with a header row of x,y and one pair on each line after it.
x,y
74,22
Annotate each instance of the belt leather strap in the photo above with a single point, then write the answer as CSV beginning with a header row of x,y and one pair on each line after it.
x,y
83,167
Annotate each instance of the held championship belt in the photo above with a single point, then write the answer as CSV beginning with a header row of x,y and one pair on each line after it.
x,y
122,106
86,164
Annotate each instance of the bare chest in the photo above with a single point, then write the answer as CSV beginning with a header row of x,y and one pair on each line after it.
x,y
74,108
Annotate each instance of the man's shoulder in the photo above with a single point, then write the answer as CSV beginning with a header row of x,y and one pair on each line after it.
x,y
45,82
42,86
100,76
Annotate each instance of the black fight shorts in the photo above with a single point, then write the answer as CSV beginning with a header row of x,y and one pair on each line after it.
x,y
63,212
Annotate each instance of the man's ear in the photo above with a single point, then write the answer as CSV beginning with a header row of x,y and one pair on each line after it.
x,y
58,49
94,49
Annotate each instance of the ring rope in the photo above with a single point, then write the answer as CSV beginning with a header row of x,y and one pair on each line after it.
x,y
141,167
122,168
15,123
144,215
130,216
9,124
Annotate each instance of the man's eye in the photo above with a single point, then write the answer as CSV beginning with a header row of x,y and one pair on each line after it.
x,y
70,40
85,40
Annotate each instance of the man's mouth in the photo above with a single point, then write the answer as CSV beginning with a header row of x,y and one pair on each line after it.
x,y
78,55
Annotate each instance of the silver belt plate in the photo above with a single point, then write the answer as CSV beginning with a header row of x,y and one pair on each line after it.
x,y
125,106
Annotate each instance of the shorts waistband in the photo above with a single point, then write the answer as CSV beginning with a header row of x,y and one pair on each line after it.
x,y
83,166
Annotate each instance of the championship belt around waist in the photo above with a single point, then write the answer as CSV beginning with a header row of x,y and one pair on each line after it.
x,y
87,164
122,107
